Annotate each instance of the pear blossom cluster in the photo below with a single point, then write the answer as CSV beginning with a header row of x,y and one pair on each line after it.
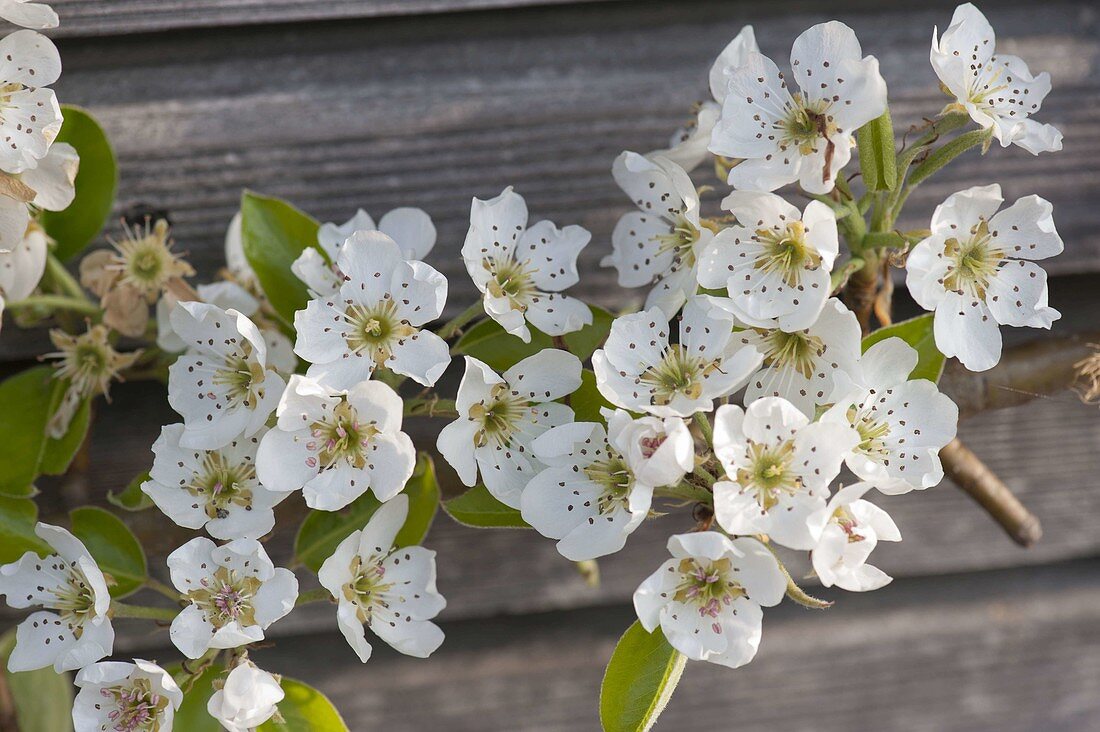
x,y
743,403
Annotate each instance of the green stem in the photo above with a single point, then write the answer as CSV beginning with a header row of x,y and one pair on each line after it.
x,y
454,326
319,594
57,302
430,407
947,123
121,610
794,592
167,590
63,278
703,423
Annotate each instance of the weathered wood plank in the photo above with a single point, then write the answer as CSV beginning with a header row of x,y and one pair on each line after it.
x,y
1007,651
393,113
118,17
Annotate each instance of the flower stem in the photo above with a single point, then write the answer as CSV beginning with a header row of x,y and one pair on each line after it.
x,y
431,406
57,302
319,594
453,327
122,610
168,591
63,278
703,423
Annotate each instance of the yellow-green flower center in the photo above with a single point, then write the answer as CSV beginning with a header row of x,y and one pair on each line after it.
x,y
137,708
368,586
242,376
511,279
972,263
227,597
616,480
498,415
222,484
872,432
341,438
786,252
678,373
798,351
376,329
768,474
707,585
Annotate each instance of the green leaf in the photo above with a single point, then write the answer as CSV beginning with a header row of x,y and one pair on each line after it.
x,y
131,498
304,709
273,234
43,699
322,531
500,350
640,678
423,493
113,546
96,182
917,332
59,453
479,509
587,400
877,159
26,399
17,519
192,715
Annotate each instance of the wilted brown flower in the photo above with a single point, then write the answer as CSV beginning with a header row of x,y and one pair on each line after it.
x,y
132,276
89,363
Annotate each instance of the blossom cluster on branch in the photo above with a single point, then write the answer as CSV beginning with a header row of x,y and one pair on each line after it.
x,y
751,406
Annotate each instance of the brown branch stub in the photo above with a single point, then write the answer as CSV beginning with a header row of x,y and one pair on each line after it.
x,y
1026,371
975,479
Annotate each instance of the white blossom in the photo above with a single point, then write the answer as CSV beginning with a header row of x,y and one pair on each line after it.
x,y
640,370
224,385
587,497
996,90
810,367
53,180
28,14
374,319
125,697
228,295
975,271
783,135
234,593
778,468
235,260
658,244
775,262
215,489
334,446
706,599
849,528
73,629
248,698
902,424
499,415
522,270
410,228
29,62
21,267
659,452
688,147
390,589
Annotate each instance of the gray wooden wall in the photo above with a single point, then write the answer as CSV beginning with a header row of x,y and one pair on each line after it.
x,y
380,103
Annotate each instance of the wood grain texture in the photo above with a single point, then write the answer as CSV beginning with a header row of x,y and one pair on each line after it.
x,y
396,112
1012,651
123,17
